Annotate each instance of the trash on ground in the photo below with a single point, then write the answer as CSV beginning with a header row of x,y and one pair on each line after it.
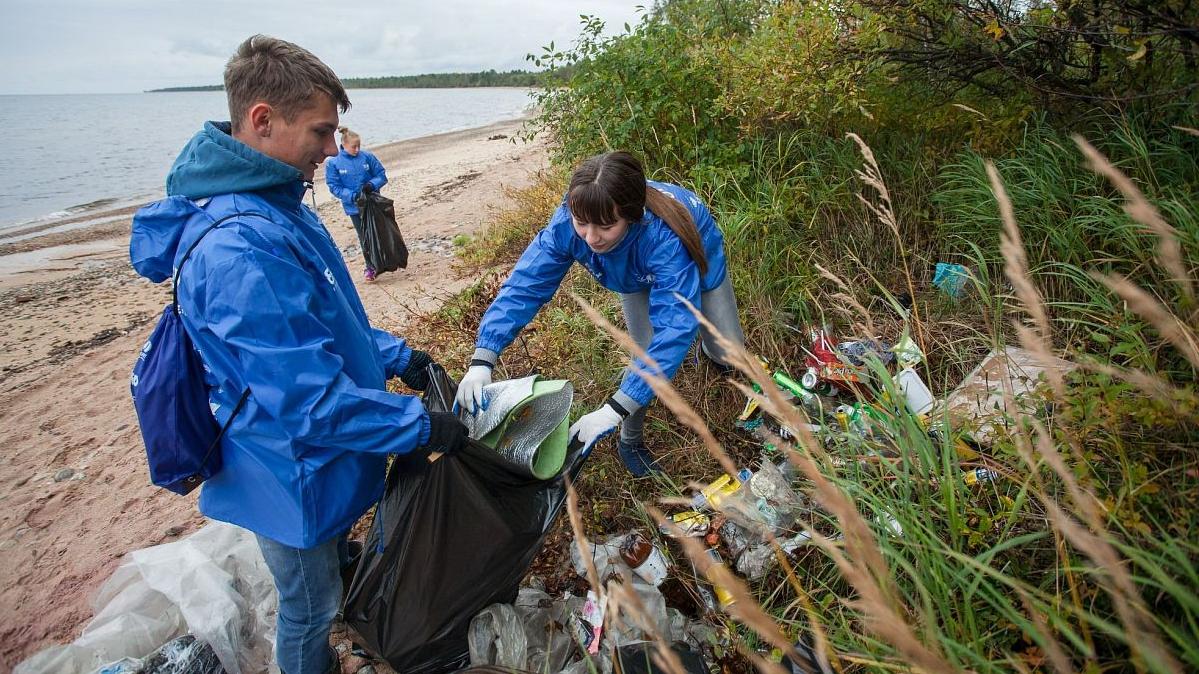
x,y
691,522
528,636
915,392
644,558
978,401
184,655
639,659
859,351
951,278
212,584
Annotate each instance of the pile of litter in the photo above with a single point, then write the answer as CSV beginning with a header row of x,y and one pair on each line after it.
x,y
201,605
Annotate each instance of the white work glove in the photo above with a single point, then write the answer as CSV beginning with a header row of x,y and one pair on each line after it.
x,y
591,427
470,389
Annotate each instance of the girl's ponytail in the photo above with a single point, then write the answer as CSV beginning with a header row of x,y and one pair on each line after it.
x,y
679,219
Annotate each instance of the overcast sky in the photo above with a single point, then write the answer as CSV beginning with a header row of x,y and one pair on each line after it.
x,y
103,46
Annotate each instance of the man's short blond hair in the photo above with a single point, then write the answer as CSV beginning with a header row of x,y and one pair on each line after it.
x,y
281,74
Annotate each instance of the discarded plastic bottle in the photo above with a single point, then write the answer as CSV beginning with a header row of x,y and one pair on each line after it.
x,y
723,596
920,400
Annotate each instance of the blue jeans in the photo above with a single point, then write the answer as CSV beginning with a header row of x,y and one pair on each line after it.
x,y
309,585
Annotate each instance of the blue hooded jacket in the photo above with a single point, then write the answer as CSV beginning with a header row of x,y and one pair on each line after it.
x,y
345,175
269,305
650,257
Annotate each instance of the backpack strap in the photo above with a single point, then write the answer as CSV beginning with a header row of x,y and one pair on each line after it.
x,y
188,252
216,442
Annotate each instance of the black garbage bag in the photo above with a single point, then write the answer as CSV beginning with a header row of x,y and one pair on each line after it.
x,y
449,538
382,245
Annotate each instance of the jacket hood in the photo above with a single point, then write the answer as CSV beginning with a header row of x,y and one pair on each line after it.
x,y
214,162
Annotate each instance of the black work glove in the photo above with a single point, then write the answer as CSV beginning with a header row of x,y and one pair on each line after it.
x,y
446,434
416,375
368,188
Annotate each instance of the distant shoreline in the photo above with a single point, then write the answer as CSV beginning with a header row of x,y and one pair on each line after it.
x,y
484,79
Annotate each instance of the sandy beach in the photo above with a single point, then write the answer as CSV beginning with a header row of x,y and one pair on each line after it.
x,y
75,494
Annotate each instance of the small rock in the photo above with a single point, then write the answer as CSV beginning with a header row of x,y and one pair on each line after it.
x,y
172,532
21,299
366,669
343,648
64,474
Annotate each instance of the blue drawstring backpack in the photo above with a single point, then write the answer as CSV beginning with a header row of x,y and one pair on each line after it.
x,y
181,436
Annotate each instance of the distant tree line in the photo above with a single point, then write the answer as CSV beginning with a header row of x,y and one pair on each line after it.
x,y
486,78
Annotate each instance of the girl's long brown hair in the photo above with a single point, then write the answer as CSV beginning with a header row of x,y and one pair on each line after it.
x,y
611,186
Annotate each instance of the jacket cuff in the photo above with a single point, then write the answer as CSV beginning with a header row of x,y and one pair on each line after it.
x,y
630,406
486,355
400,364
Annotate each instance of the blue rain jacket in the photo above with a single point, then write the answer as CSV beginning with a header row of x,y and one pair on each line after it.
x,y
650,257
268,303
345,175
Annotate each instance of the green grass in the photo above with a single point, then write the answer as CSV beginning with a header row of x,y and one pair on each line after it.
x,y
980,574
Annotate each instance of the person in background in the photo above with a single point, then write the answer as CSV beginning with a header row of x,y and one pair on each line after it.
x,y
654,243
271,307
352,172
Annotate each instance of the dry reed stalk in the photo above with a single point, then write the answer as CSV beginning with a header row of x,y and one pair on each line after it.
x,y
744,608
1171,328
624,602
845,296
1186,130
1053,648
873,177
1144,638
576,525
869,573
1169,251
1092,539
1155,387
1015,268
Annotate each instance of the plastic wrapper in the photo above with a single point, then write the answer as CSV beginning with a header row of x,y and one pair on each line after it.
x,y
528,636
213,584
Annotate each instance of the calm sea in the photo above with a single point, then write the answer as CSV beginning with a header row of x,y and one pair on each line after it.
x,y
70,154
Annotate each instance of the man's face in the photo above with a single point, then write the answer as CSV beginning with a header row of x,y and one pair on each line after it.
x,y
305,141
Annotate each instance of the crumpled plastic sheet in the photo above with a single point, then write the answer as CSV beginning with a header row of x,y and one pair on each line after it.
x,y
524,435
534,634
529,636
213,584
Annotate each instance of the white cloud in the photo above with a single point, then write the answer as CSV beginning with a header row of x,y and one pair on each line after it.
x,y
86,46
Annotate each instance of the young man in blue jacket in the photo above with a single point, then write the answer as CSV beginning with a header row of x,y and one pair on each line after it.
x,y
270,306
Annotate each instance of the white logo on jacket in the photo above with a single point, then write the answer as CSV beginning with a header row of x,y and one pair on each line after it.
x,y
329,277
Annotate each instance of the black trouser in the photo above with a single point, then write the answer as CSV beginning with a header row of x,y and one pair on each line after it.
x,y
357,220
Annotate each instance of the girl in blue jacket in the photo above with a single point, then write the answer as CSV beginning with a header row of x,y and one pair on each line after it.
x,y
351,172
651,242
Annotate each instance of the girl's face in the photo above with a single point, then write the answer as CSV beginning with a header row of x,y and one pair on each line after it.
x,y
352,146
600,238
